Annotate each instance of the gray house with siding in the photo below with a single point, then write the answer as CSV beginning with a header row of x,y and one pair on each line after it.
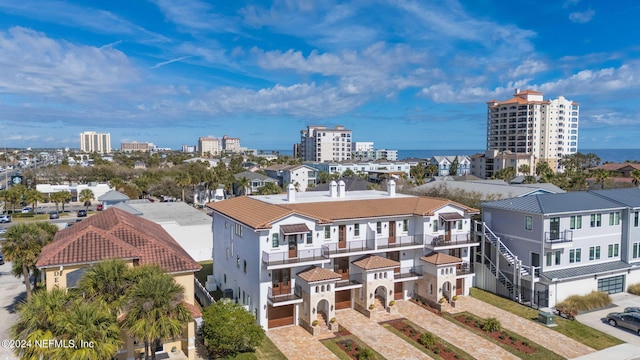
x,y
544,248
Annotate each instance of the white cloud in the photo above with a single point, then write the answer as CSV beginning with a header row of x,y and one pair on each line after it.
x,y
33,63
528,67
582,17
569,3
196,16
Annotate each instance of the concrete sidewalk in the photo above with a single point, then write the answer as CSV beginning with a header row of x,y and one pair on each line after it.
x,y
296,343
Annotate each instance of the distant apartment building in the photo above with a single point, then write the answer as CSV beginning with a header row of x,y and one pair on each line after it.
x,y
188,148
209,146
362,146
319,143
230,144
444,165
526,124
90,141
136,146
486,165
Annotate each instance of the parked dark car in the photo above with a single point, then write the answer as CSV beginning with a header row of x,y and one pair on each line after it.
x,y
632,309
629,321
82,213
1,259
54,215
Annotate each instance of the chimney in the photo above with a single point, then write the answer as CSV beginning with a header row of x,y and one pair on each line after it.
x,y
517,91
291,193
342,191
333,189
391,188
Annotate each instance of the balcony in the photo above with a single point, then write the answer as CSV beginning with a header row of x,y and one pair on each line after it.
x,y
558,239
404,241
408,273
284,299
464,269
347,247
453,240
354,281
311,256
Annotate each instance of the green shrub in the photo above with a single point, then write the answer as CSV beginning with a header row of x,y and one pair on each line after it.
x,y
246,356
491,324
577,303
634,289
367,354
427,340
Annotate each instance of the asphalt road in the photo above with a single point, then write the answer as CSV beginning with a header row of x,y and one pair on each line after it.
x,y
597,319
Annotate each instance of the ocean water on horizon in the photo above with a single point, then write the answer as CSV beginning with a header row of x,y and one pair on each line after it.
x,y
605,155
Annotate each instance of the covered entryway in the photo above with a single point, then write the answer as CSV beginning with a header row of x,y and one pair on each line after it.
x,y
398,294
446,290
292,234
280,315
323,311
450,221
381,297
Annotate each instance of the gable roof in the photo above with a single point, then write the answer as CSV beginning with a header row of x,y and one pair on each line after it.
x,y
372,262
116,234
254,176
113,196
314,274
555,203
627,196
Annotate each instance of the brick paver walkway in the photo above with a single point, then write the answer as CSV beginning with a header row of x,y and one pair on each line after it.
x,y
548,338
473,344
296,343
377,337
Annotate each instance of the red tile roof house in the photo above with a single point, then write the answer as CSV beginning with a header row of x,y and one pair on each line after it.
x,y
116,234
296,258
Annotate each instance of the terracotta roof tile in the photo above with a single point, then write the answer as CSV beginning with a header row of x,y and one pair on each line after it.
x,y
259,215
314,273
372,262
113,234
440,259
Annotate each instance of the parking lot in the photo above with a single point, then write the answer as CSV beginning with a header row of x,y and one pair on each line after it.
x,y
597,319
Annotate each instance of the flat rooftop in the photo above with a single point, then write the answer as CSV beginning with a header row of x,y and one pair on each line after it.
x,y
323,196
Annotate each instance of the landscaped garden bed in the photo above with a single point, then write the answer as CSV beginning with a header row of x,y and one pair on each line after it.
x,y
348,347
491,330
432,345
426,306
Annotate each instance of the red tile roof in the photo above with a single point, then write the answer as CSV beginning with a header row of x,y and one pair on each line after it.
x,y
116,234
441,259
372,262
314,274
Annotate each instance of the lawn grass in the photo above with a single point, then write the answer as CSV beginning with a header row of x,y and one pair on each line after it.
x,y
574,329
268,351
460,353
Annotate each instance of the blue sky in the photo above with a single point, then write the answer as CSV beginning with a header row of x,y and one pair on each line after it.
x,y
404,74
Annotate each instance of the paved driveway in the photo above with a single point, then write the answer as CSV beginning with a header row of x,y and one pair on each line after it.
x,y
596,319
11,292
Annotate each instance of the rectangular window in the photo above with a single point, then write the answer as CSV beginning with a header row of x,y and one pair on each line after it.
x,y
636,250
636,218
557,262
327,232
274,240
610,250
576,222
528,223
459,224
616,250
597,252
592,253
405,225
578,255
596,220
572,256
310,237
356,230
435,225
245,266
614,218
549,258
379,227
238,230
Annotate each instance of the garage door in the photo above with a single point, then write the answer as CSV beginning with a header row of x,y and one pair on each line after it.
x,y
280,316
612,285
343,299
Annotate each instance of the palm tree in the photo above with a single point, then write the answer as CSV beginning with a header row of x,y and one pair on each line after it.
x,y
37,320
524,169
24,243
183,180
635,175
431,170
107,281
418,173
244,184
269,189
65,196
32,197
86,195
57,198
155,311
601,176
116,183
87,323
